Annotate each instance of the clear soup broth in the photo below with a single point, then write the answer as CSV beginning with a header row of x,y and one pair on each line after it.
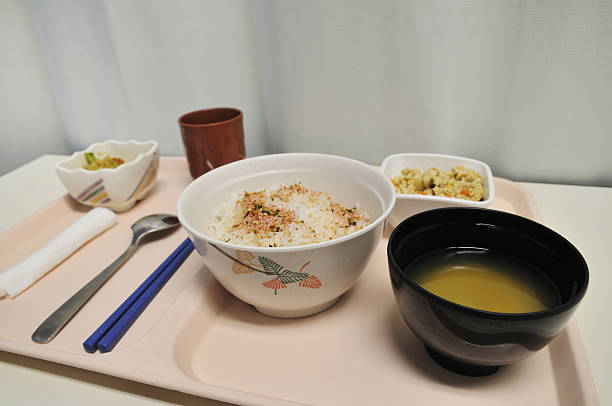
x,y
485,280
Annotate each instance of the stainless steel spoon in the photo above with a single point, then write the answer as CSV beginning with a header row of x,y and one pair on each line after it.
x,y
58,319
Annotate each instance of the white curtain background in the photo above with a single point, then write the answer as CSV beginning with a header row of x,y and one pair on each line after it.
x,y
523,85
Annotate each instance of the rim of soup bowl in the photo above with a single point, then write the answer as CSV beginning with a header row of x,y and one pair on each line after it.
x,y
560,308
296,248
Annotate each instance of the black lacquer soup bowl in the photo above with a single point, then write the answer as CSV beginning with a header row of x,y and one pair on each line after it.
x,y
476,342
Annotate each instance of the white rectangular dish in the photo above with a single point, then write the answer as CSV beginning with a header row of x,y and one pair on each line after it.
x,y
409,204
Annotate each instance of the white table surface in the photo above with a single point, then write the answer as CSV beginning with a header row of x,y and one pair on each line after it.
x,y
580,213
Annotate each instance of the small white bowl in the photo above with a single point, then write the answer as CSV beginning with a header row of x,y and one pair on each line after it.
x,y
409,204
119,188
315,275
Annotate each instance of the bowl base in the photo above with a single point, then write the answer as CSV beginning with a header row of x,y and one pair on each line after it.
x,y
462,368
290,314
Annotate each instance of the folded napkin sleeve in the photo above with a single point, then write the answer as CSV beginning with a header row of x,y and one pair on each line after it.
x,y
16,279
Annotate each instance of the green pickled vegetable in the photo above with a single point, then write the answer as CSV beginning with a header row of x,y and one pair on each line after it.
x,y
105,161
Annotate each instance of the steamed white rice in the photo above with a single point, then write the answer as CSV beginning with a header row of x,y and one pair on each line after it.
x,y
288,215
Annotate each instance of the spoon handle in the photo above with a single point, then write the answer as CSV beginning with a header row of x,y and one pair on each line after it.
x,y
58,319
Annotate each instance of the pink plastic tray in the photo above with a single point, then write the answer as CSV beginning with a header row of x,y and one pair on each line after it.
x,y
198,339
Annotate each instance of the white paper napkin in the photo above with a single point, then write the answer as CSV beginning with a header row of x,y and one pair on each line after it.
x,y
14,280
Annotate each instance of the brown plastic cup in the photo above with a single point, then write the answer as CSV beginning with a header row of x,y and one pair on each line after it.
x,y
212,138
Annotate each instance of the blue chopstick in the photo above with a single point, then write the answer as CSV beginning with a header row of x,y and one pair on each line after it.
x,y
112,337
147,290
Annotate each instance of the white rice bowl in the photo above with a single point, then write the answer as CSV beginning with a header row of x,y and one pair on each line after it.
x,y
273,279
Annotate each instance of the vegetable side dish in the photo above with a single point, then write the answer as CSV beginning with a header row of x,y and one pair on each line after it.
x,y
460,183
104,161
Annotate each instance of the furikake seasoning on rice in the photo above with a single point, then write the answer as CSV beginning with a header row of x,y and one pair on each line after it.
x,y
288,215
